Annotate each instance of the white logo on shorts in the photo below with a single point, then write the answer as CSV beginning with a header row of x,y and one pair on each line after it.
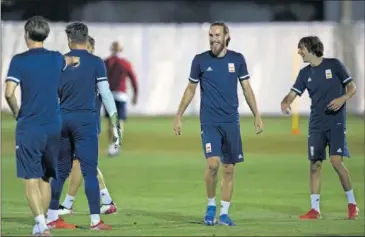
x,y
208,148
311,150
240,157
339,150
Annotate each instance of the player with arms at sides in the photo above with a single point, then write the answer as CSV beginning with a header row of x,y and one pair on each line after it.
x,y
107,204
79,136
38,72
329,87
218,72
118,70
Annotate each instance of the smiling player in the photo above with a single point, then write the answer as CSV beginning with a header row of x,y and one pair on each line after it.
x,y
218,71
329,86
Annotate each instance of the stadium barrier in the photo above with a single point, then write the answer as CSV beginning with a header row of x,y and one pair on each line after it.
x,y
161,55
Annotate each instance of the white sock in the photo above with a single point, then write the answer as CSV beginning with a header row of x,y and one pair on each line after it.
x,y
211,201
350,197
105,196
315,201
95,219
40,224
224,207
69,200
52,215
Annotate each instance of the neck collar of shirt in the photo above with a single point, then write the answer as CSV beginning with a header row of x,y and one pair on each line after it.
x,y
79,50
214,56
37,49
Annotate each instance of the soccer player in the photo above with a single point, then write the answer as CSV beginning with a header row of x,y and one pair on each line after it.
x,y
329,86
118,70
107,204
79,136
38,128
218,72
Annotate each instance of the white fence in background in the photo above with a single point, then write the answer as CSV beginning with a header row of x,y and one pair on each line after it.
x,y
161,55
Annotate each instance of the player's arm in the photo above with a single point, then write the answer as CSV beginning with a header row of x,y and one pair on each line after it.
x,y
346,80
186,99
243,77
105,93
12,81
250,97
108,101
133,78
297,90
190,89
65,61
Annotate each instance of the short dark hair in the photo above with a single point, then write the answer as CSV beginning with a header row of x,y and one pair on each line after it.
x,y
91,41
313,44
37,28
77,32
225,29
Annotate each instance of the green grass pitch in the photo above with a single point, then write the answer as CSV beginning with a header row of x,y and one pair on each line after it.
x,y
158,184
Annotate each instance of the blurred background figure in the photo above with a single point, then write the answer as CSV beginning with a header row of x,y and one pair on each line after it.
x,y
119,69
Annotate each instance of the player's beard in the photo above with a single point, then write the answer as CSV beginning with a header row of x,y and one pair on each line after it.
x,y
216,47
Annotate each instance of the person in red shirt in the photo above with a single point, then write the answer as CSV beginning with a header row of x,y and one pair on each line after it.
x,y
118,70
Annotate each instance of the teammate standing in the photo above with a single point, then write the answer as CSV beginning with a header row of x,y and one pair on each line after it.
x,y
329,86
38,128
79,136
218,72
118,70
107,204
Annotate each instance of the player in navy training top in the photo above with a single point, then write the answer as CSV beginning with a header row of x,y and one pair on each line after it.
x,y
219,71
38,72
329,87
75,179
79,134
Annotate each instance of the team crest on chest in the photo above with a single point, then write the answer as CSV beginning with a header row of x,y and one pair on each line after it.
x,y
231,67
328,74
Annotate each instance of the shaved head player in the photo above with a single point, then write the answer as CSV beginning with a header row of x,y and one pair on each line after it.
x,y
218,71
329,87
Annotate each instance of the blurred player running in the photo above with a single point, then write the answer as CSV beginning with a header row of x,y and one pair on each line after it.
x,y
329,86
218,72
79,136
107,204
118,70
38,128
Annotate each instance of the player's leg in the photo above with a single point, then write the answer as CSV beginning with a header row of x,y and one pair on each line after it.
x,y
232,154
337,150
65,157
29,167
86,150
317,143
107,204
211,141
75,181
122,115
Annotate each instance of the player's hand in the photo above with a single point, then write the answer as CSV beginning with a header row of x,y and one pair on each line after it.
x,y
177,126
75,61
259,125
117,136
336,104
285,108
15,115
117,132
